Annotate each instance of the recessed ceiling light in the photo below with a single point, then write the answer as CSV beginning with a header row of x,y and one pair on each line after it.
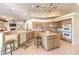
x,y
12,8
24,13
32,5
77,3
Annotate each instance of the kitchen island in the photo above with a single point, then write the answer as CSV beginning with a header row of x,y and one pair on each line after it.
x,y
8,35
50,40
19,37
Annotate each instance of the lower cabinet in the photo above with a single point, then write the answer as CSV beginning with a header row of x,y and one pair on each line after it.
x,y
26,38
22,38
1,40
50,42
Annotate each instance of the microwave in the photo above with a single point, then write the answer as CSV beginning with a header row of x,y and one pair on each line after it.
x,y
67,28
12,25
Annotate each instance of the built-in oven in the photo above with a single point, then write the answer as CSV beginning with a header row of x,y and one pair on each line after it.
x,y
67,32
12,29
67,28
67,35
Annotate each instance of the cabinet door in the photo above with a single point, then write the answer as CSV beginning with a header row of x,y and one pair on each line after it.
x,y
22,37
56,41
50,43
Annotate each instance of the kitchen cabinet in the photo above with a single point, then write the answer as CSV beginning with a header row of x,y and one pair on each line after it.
x,y
10,36
73,19
67,21
26,38
55,24
22,37
50,41
1,41
67,30
3,26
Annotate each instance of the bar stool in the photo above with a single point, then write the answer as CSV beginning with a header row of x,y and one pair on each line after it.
x,y
11,46
37,40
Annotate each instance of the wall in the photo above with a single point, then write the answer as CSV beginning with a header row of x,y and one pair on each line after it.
x,y
75,29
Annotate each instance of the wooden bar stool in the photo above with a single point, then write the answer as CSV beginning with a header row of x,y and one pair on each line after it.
x,y
11,46
37,40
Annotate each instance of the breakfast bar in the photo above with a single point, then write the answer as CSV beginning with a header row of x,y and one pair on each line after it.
x,y
19,37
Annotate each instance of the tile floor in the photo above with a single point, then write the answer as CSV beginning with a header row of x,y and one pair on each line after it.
x,y
65,49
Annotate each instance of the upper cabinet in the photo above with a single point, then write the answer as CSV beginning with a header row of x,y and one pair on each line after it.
x,y
3,26
55,24
67,21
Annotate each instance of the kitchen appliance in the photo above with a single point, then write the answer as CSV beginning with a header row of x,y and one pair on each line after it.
x,y
67,32
12,25
67,36
12,29
67,28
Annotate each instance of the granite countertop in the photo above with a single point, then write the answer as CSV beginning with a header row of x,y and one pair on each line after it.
x,y
9,33
15,32
49,33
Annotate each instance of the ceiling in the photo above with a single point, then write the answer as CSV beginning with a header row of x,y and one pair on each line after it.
x,y
27,10
62,6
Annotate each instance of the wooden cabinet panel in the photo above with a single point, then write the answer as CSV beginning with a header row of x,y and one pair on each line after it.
x,y
22,38
57,40
68,21
50,43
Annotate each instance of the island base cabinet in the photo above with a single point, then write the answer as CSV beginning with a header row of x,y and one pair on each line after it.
x,y
57,41
53,42
50,43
